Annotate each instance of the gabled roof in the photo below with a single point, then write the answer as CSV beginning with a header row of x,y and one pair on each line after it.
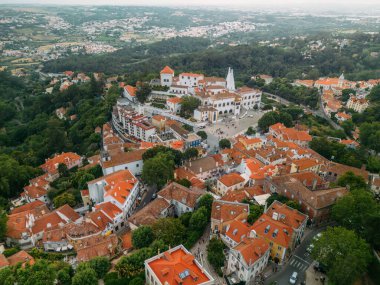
x,y
150,213
231,179
68,212
178,266
283,213
228,211
51,164
237,231
21,256
131,90
252,249
167,70
182,194
174,100
110,209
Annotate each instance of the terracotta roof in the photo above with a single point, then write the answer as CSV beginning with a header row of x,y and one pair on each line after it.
x,y
150,213
30,206
191,74
120,157
178,145
110,209
54,235
167,70
46,222
68,212
289,216
245,193
127,241
159,118
81,230
68,158
306,163
231,179
341,169
200,165
99,219
131,90
181,173
237,231
174,100
252,249
182,194
21,256
228,211
273,230
177,266
3,261
343,115
97,246
34,192
349,142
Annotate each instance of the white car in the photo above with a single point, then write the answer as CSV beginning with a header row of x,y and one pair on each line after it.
x,y
293,278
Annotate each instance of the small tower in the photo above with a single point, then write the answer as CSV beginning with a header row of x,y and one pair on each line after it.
x,y
230,80
341,80
166,76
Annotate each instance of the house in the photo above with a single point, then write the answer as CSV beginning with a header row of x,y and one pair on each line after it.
x,y
115,160
334,170
176,266
358,105
235,233
315,202
174,104
85,195
70,159
20,257
290,217
182,198
251,143
129,92
166,76
158,208
227,182
247,193
206,114
342,117
305,164
277,234
120,189
250,98
248,259
283,133
224,212
204,168
350,143
61,113
96,246
159,122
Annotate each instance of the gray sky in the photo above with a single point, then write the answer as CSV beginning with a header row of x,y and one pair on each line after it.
x,y
275,4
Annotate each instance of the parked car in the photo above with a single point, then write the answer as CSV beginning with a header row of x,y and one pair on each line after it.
x,y
293,278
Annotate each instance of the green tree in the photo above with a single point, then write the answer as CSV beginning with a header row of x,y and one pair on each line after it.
x,y
353,211
352,180
158,170
206,201
346,94
184,182
169,230
142,237
293,204
215,254
3,224
255,211
344,253
370,135
85,277
143,92
63,277
188,105
202,134
224,143
133,264
65,198
190,153
63,170
152,152
250,131
101,265
137,281
199,219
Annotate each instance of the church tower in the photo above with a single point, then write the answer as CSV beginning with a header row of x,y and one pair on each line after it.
x,y
230,80
341,80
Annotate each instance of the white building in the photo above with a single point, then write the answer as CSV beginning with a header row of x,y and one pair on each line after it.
x,y
249,258
176,266
129,92
166,76
115,160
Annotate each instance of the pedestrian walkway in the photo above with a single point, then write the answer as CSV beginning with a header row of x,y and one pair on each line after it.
x,y
315,278
199,250
298,263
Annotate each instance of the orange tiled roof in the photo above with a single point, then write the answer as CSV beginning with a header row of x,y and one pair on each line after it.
x,y
171,264
159,118
237,231
288,216
178,145
108,208
343,115
228,211
167,70
273,230
306,163
174,100
131,90
3,261
21,256
245,193
191,74
231,179
68,212
252,249
182,194
349,142
51,165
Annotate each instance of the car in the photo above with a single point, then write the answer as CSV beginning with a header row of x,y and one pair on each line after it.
x,y
310,248
293,278
154,196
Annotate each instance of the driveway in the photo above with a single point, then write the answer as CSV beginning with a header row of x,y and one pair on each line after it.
x,y
299,261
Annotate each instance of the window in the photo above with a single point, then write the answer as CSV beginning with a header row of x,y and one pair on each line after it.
x,y
279,247
137,165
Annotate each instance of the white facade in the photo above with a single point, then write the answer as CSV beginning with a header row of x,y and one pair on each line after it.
x,y
190,79
251,98
166,79
246,272
135,167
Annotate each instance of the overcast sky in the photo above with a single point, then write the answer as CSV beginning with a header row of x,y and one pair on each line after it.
x,y
275,4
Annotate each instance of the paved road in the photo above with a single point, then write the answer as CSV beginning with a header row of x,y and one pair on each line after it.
x,y
299,262
147,197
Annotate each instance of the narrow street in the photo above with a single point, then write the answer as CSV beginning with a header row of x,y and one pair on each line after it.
x,y
199,250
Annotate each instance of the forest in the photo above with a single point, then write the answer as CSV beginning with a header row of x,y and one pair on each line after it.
x,y
195,54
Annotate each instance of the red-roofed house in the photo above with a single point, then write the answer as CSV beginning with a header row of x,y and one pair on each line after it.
x,y
70,159
176,266
227,182
174,104
129,92
342,116
249,258
166,76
